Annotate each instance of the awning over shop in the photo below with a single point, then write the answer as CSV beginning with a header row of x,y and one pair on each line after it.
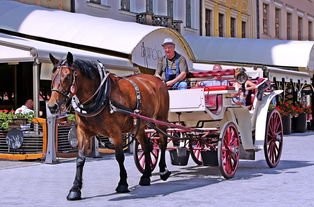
x,y
282,53
138,42
17,49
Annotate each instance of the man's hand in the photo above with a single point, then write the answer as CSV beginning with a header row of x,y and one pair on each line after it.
x,y
170,83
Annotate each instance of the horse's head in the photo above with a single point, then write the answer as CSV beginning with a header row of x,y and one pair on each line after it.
x,y
63,85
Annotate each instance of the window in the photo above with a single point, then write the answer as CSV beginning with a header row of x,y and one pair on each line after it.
x,y
95,1
289,25
149,6
221,18
170,8
277,23
265,18
233,27
125,5
300,28
310,30
243,29
188,13
208,18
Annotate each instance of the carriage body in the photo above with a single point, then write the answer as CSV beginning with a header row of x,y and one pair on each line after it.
x,y
224,132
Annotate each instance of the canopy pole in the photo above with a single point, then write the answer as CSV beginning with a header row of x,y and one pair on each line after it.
x,y
36,68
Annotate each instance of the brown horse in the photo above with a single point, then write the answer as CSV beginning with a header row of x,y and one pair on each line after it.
x,y
95,94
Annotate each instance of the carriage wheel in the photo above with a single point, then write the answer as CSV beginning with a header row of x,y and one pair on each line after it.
x,y
139,156
196,147
273,138
228,150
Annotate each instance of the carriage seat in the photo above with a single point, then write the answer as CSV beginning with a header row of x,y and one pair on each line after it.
x,y
214,101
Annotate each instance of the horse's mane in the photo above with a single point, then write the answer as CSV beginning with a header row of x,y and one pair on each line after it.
x,y
87,68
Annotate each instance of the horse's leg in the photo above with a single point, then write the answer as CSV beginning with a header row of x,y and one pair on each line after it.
x,y
163,171
123,184
75,191
147,147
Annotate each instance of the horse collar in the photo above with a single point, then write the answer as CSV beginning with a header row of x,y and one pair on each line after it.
x,y
101,99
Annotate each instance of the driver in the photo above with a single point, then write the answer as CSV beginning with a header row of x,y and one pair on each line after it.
x,y
172,68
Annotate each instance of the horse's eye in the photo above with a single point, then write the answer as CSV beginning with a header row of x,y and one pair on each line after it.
x,y
67,78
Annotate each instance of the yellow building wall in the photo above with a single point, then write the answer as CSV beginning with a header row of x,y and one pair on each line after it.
x,y
54,4
239,6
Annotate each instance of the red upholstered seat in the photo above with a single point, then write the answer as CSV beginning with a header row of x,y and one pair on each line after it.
x,y
215,88
211,73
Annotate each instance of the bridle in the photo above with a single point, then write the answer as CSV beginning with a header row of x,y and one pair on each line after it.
x,y
70,92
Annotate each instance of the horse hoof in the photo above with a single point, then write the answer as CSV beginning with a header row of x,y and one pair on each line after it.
x,y
74,195
122,189
144,181
165,175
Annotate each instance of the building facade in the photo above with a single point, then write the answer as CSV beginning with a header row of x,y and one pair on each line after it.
x,y
66,5
228,18
182,16
285,19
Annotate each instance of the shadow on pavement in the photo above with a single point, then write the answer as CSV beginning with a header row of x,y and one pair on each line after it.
x,y
189,178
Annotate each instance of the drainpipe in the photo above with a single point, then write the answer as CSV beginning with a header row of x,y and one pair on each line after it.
x,y
36,68
201,17
72,6
257,20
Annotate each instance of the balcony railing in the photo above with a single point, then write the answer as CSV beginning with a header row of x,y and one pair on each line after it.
x,y
158,20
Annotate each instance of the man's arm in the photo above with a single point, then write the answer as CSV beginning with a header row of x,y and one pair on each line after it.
x,y
180,77
158,71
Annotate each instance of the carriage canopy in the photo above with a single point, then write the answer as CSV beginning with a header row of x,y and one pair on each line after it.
x,y
137,42
277,53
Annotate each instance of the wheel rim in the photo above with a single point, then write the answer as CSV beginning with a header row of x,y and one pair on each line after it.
x,y
229,151
273,139
196,147
139,157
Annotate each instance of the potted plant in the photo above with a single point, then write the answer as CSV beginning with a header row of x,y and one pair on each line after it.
x,y
287,111
299,121
9,119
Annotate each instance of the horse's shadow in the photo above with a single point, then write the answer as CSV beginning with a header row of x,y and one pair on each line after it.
x,y
194,177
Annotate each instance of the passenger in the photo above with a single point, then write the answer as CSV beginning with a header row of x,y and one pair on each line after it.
x,y
172,68
217,80
240,97
26,108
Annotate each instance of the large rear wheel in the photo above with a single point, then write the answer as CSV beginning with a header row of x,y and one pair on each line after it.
x,y
273,138
228,150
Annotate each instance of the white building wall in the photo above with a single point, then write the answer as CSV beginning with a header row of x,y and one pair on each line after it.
x,y
111,9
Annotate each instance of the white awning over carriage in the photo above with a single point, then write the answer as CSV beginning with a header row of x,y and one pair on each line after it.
x,y
278,53
17,49
140,43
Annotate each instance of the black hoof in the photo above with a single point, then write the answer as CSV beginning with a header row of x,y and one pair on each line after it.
x,y
165,175
144,181
74,195
122,189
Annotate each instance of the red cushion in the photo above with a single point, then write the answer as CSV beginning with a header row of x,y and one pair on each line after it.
x,y
215,88
211,73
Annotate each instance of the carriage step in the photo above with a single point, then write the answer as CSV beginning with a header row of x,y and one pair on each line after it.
x,y
256,148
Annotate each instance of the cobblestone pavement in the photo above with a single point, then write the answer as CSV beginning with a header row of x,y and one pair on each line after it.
x,y
32,183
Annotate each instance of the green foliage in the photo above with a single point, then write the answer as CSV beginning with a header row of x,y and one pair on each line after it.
x,y
7,117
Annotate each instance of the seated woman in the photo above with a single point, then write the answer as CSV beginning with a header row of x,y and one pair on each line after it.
x,y
240,97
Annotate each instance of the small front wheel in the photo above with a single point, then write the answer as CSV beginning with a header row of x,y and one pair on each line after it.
x,y
228,150
139,155
196,148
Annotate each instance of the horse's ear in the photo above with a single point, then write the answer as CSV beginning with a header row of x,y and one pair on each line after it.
x,y
70,58
53,59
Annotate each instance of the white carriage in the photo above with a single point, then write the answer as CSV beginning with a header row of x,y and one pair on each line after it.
x,y
214,130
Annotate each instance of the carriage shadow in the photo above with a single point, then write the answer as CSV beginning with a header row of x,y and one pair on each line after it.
x,y
194,177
